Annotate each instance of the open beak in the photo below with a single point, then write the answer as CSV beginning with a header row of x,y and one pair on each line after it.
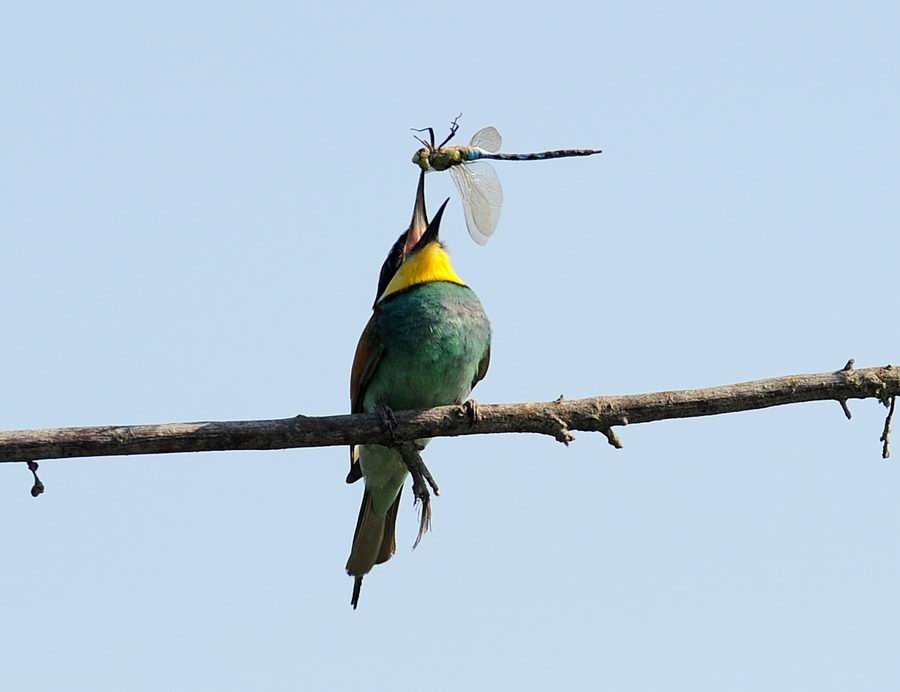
x,y
431,233
419,223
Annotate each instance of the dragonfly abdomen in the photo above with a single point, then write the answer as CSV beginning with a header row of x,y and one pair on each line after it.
x,y
556,154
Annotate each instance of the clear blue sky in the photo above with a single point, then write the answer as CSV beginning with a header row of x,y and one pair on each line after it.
x,y
194,204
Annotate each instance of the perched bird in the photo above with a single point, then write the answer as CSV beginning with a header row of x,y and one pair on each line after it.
x,y
426,344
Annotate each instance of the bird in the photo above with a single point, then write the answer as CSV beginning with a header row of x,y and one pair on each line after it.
x,y
427,343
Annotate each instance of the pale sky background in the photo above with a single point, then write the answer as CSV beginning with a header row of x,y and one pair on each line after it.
x,y
195,200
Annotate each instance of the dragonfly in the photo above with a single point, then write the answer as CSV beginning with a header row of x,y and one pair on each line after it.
x,y
475,179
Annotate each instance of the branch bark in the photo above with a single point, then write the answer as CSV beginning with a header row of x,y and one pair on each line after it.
x,y
558,419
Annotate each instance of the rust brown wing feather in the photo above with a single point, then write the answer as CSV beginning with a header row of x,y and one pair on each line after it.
x,y
369,351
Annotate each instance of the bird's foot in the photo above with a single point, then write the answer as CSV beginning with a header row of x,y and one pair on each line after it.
x,y
422,479
388,421
470,409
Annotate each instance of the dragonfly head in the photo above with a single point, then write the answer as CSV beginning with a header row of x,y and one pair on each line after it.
x,y
422,159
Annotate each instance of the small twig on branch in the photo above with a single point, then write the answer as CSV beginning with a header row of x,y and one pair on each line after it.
x,y
886,435
612,438
843,402
38,487
557,418
846,409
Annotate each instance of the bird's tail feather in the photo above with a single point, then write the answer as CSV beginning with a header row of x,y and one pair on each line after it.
x,y
374,541
389,540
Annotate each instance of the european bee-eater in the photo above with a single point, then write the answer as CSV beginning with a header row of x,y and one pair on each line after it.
x,y
427,344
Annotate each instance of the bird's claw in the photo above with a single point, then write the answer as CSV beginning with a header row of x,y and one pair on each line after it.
x,y
470,409
421,480
421,495
388,421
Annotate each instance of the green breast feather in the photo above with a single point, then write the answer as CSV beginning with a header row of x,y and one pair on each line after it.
x,y
435,337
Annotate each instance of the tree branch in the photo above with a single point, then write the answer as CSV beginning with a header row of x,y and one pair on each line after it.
x,y
557,418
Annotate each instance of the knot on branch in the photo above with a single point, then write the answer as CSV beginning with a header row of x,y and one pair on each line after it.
x,y
560,430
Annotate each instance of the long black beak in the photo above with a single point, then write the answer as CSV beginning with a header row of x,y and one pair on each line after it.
x,y
431,233
419,222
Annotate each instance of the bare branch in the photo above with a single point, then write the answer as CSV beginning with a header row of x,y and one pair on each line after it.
x,y
556,418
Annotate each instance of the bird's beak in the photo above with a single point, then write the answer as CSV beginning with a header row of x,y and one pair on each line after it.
x,y
419,223
431,233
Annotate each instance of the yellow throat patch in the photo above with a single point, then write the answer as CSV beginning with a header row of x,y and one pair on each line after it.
x,y
431,263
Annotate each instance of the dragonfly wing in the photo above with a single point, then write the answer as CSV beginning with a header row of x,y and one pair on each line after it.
x,y
488,139
482,198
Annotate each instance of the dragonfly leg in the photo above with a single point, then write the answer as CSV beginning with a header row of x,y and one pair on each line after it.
x,y
430,132
454,126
